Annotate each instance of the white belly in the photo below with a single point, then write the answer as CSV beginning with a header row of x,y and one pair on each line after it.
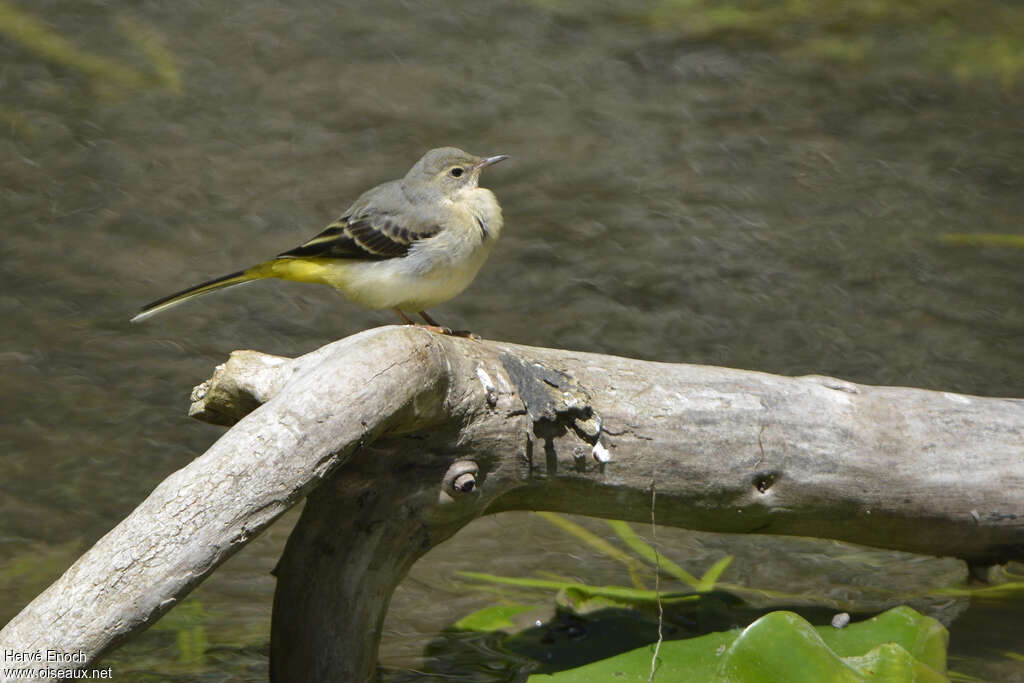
x,y
435,269
422,279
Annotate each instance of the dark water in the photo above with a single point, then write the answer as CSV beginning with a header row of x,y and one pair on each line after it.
x,y
707,197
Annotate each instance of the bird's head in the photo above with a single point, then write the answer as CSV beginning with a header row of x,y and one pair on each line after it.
x,y
449,171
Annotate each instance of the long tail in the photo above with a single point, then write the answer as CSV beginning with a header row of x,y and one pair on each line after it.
x,y
241,277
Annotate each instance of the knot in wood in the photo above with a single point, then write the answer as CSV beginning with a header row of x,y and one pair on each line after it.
x,y
459,480
464,483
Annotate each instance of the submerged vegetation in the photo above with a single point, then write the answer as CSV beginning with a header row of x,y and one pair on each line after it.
x,y
707,628
153,67
109,76
968,39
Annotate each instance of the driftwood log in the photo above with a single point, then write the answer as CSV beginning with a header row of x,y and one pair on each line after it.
x,y
399,437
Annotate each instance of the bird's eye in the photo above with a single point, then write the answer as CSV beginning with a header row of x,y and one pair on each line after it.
x,y
457,171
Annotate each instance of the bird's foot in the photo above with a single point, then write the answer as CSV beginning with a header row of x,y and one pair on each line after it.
x,y
440,329
466,334
434,326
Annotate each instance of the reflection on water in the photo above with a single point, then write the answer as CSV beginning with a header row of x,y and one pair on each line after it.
x,y
683,195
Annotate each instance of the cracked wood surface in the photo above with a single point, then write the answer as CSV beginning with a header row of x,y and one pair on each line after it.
x,y
400,436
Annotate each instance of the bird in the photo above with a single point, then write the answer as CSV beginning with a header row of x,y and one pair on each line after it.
x,y
406,244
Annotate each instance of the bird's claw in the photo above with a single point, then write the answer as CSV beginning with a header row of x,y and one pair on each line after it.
x,y
440,329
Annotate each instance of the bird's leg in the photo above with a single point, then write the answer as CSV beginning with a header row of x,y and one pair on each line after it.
x,y
436,327
433,325
431,321
404,318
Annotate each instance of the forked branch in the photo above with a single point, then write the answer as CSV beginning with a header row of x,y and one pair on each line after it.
x,y
399,437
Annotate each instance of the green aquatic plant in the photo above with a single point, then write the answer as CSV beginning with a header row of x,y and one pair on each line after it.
x,y
109,77
968,39
187,621
622,624
896,646
981,239
643,551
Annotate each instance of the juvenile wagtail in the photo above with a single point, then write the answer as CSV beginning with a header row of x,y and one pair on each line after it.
x,y
406,244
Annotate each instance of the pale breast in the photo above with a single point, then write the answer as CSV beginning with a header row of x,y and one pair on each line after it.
x,y
435,269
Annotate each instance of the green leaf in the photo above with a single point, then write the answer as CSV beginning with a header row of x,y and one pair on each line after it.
x,y
1009,590
595,542
615,593
898,645
490,619
647,552
711,576
923,637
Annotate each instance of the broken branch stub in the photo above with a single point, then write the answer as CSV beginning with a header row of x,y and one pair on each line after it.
x,y
555,400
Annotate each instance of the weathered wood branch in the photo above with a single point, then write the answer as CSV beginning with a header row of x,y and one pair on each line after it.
x,y
400,437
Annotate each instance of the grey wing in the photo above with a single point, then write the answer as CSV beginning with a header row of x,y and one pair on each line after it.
x,y
364,235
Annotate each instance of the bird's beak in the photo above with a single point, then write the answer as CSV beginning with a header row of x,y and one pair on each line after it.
x,y
484,163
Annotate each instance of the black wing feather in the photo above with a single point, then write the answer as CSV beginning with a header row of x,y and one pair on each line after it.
x,y
369,236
